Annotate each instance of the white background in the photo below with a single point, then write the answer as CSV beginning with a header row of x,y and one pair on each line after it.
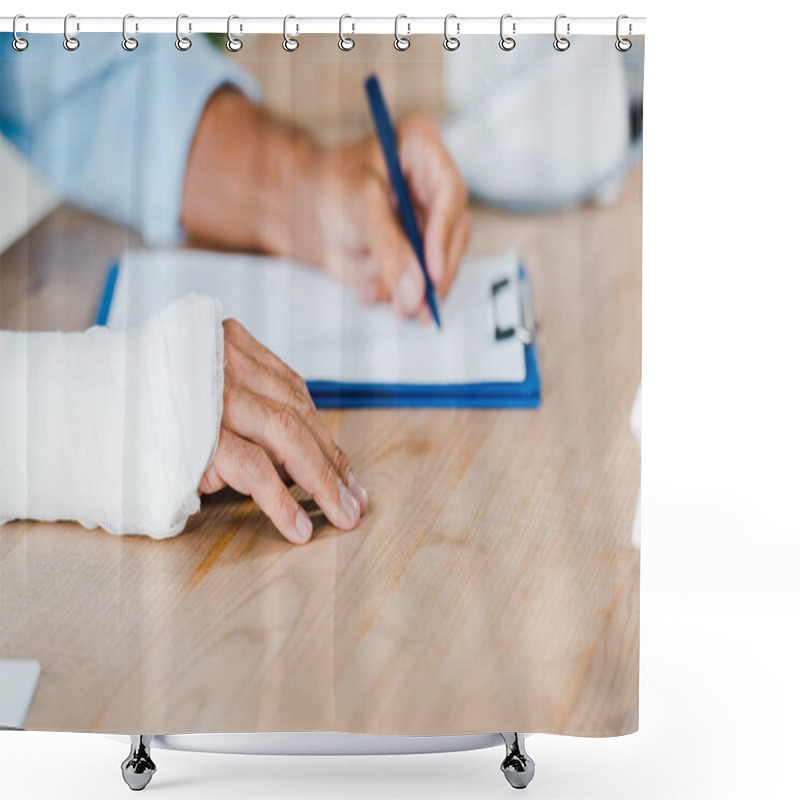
x,y
721,476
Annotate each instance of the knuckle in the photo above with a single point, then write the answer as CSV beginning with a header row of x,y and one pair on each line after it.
x,y
232,327
295,398
295,380
340,460
301,384
288,422
254,463
330,477
300,399
284,503
240,456
234,358
229,398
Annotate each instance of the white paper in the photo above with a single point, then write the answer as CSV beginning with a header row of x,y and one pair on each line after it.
x,y
323,330
18,679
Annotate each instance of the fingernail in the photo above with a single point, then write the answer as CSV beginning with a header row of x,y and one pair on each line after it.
x,y
349,503
303,526
410,289
357,488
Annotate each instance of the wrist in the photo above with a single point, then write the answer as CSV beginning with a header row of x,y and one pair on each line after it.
x,y
249,180
283,188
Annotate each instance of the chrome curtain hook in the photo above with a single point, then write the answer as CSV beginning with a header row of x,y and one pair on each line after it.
x,y
70,42
507,42
290,43
401,42
561,43
623,45
182,42
233,44
18,43
128,42
346,43
451,42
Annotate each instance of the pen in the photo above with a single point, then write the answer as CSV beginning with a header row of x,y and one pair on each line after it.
x,y
385,131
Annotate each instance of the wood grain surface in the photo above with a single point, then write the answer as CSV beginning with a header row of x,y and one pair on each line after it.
x,y
491,585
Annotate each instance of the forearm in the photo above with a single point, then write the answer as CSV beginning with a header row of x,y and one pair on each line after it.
x,y
249,180
112,428
99,140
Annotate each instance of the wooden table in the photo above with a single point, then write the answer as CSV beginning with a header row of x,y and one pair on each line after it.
x,y
491,586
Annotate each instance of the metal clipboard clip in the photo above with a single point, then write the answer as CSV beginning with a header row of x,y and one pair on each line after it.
x,y
525,328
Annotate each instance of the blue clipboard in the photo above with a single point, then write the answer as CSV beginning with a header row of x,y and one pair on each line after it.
x,y
329,394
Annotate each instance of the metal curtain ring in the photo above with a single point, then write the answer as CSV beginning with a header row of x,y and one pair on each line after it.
x,y
183,43
346,43
561,43
507,42
70,42
401,42
451,42
233,44
18,43
623,45
128,42
290,43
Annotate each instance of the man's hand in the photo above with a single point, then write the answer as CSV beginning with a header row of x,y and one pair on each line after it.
x,y
256,182
360,235
271,432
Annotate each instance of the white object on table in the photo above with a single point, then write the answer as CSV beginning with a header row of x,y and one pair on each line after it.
x,y
322,329
18,680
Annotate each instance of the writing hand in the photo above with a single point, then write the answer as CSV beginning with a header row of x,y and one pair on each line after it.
x,y
356,213
255,181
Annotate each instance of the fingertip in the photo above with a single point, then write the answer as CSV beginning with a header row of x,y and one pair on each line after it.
x,y
303,527
410,291
358,490
350,507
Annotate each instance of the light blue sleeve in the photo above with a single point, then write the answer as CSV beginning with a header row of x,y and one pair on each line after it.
x,y
109,129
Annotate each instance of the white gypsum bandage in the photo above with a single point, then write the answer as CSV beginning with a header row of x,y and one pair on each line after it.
x,y
112,428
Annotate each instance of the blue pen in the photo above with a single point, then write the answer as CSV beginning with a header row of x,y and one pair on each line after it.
x,y
385,131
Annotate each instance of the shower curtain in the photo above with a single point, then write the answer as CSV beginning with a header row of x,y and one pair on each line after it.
x,y
318,365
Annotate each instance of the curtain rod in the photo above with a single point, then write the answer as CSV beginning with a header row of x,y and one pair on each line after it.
x,y
461,26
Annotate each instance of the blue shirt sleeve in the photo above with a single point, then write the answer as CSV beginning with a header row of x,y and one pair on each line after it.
x,y
109,129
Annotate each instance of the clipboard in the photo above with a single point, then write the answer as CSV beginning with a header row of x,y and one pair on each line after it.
x,y
496,394
523,394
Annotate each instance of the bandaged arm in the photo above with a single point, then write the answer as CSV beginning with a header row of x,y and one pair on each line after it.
x,y
112,428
